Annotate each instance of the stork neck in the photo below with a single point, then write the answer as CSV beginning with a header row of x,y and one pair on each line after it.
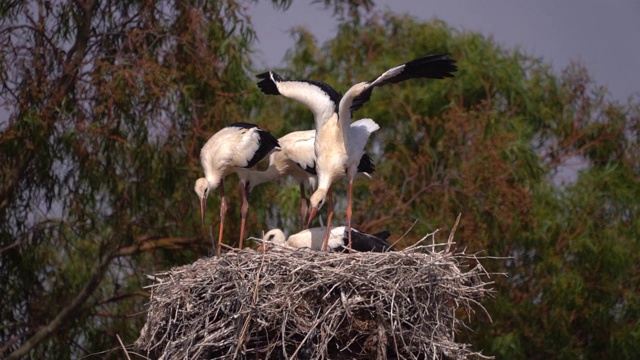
x,y
213,180
324,181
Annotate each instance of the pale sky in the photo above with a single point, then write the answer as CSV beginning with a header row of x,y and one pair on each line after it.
x,y
604,35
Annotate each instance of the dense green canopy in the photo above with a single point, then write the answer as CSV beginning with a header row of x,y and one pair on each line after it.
x,y
108,103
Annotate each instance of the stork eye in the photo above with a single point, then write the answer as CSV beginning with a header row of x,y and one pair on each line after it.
x,y
271,237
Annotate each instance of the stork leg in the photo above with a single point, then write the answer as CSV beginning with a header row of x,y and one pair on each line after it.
x,y
303,204
349,210
243,212
223,210
329,217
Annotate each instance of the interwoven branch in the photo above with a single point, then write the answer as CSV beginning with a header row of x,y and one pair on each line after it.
x,y
312,305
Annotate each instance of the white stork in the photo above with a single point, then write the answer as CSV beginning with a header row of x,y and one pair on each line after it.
x,y
235,148
314,238
297,158
338,148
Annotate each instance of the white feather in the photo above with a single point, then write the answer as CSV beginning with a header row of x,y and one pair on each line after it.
x,y
312,96
309,239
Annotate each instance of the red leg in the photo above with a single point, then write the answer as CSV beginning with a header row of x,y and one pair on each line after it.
x,y
329,217
243,211
349,211
223,210
303,204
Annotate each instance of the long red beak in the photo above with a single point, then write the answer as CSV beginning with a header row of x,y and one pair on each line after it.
x,y
312,215
203,204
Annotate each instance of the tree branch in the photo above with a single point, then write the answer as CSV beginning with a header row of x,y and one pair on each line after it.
x,y
152,244
63,85
68,312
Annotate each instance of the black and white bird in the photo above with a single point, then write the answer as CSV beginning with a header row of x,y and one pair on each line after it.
x,y
313,239
297,158
338,145
235,148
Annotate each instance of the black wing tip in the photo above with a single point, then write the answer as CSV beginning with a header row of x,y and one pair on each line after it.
x,y
369,243
384,235
269,75
366,164
435,66
263,75
268,83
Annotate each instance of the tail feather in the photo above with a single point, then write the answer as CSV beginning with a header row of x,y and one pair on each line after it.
x,y
367,243
384,235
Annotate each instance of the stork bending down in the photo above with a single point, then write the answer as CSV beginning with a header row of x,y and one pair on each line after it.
x,y
235,148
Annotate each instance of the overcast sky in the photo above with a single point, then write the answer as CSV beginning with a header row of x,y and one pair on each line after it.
x,y
604,35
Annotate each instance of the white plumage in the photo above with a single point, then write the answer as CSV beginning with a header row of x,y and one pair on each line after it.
x,y
313,239
235,148
297,158
337,148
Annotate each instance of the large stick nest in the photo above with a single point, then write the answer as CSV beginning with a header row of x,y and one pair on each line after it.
x,y
304,304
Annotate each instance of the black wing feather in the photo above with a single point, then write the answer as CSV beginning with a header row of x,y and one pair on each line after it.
x,y
366,243
384,235
366,165
309,169
267,143
437,66
267,85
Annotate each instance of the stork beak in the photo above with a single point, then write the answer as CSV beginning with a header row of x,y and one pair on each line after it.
x,y
312,215
263,247
203,204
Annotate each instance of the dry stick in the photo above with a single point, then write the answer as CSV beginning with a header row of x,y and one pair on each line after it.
x,y
453,231
213,242
315,324
245,326
411,316
123,347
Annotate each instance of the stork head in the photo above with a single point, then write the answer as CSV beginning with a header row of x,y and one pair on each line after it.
x,y
275,236
317,200
202,189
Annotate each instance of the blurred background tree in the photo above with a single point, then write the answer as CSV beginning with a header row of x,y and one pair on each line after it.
x,y
108,104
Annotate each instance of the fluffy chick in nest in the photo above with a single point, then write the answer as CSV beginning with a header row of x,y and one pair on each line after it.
x,y
338,239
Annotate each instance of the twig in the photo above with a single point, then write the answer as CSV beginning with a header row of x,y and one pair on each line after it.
x,y
123,347
453,231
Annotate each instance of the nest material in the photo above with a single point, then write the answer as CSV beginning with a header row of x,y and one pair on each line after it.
x,y
310,305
